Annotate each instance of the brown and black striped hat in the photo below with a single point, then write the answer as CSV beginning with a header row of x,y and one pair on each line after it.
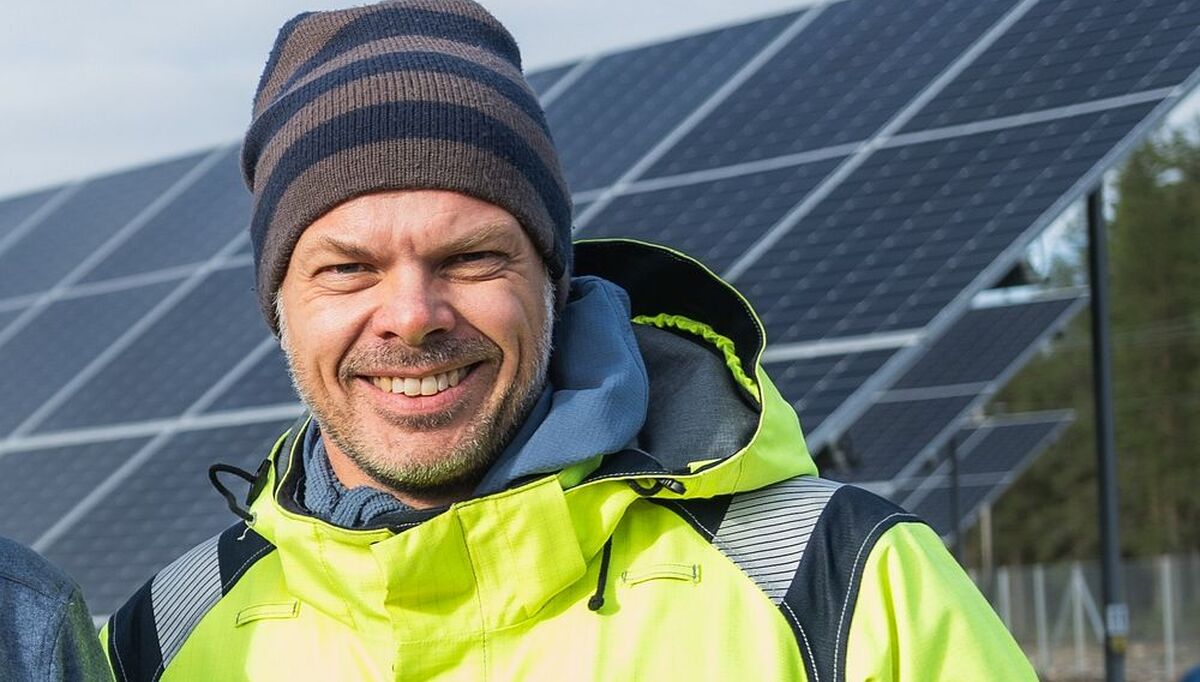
x,y
405,94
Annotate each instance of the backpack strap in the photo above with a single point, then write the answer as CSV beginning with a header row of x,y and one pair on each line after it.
x,y
146,633
804,542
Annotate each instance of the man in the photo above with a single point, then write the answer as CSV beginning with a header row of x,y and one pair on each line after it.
x,y
46,633
503,476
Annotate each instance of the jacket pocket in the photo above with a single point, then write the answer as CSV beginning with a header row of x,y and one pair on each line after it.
x,y
278,610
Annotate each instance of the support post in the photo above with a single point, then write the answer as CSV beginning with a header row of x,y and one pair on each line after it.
x,y
955,500
1167,581
1116,612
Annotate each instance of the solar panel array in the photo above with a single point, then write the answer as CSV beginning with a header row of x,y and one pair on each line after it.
x,y
861,169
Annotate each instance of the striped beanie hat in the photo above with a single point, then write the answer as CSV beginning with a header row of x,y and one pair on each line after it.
x,y
405,94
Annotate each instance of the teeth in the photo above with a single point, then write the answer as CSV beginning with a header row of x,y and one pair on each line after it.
x,y
424,386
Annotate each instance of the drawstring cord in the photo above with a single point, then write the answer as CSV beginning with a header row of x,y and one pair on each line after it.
x,y
256,480
597,600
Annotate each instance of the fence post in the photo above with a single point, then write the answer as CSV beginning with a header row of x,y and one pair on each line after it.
x,y
1039,613
1077,586
1168,605
1004,596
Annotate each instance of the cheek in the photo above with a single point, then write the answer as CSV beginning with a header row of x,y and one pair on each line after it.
x,y
320,335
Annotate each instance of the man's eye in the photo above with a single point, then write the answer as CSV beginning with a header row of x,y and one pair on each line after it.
x,y
346,268
474,256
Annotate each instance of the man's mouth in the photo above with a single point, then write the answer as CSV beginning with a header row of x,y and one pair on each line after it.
x,y
413,387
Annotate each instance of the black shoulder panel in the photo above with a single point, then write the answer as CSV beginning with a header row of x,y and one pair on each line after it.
x,y
820,601
133,639
146,633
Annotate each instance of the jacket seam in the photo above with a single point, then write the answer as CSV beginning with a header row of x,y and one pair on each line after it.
x,y
237,575
854,573
804,636
116,648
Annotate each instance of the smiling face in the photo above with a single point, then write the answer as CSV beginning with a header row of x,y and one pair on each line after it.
x,y
417,328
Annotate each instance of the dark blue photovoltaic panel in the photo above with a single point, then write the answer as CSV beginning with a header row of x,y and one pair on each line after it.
x,y
159,513
190,229
7,316
47,353
267,383
713,221
903,235
817,386
840,80
15,210
995,458
38,487
890,435
624,104
544,79
85,221
983,343
1072,51
170,365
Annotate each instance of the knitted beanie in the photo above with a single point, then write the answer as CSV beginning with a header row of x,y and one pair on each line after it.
x,y
406,94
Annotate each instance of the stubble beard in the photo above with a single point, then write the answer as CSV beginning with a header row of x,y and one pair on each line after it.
x,y
458,470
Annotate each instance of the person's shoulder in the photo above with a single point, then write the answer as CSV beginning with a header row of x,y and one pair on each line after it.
x,y
24,569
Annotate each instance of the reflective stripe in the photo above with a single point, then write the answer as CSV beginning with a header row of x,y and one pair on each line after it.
x,y
182,593
765,532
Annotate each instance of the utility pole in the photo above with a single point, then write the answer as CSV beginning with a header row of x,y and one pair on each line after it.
x,y
1116,612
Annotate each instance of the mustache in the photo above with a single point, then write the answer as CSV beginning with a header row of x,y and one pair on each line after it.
x,y
437,352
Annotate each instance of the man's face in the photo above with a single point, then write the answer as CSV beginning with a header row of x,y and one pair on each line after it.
x,y
417,327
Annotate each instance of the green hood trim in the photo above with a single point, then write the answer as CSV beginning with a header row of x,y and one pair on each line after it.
x,y
710,335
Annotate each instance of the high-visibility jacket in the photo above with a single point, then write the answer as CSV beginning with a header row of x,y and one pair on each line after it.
x,y
706,550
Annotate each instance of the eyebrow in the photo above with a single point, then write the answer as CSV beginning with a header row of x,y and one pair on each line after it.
x,y
498,231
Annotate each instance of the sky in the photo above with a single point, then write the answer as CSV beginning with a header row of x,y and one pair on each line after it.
x,y
91,87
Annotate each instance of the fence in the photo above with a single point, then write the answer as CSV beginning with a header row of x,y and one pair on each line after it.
x,y
1054,612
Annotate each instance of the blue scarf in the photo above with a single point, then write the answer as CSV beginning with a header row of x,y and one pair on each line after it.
x,y
594,403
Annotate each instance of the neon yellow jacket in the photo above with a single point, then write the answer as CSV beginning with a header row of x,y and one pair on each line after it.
x,y
682,558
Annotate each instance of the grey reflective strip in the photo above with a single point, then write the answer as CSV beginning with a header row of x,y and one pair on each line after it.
x,y
765,531
182,593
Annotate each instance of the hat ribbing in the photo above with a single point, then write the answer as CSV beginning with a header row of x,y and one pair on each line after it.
x,y
407,94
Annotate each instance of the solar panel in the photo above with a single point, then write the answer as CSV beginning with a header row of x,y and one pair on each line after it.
x,y
163,509
990,459
645,92
837,82
81,224
41,358
1071,52
169,366
714,221
816,386
191,229
38,486
902,237
544,79
906,425
266,383
14,211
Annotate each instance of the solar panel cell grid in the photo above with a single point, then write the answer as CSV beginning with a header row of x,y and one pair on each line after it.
x,y
84,222
267,383
983,343
1066,52
170,366
15,210
191,229
713,221
166,507
38,487
932,216
542,80
816,386
627,102
838,81
890,435
60,342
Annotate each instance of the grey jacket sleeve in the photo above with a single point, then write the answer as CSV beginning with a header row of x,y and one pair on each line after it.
x,y
46,633
76,654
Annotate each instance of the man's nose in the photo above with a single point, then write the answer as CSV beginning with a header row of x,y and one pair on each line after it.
x,y
413,306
